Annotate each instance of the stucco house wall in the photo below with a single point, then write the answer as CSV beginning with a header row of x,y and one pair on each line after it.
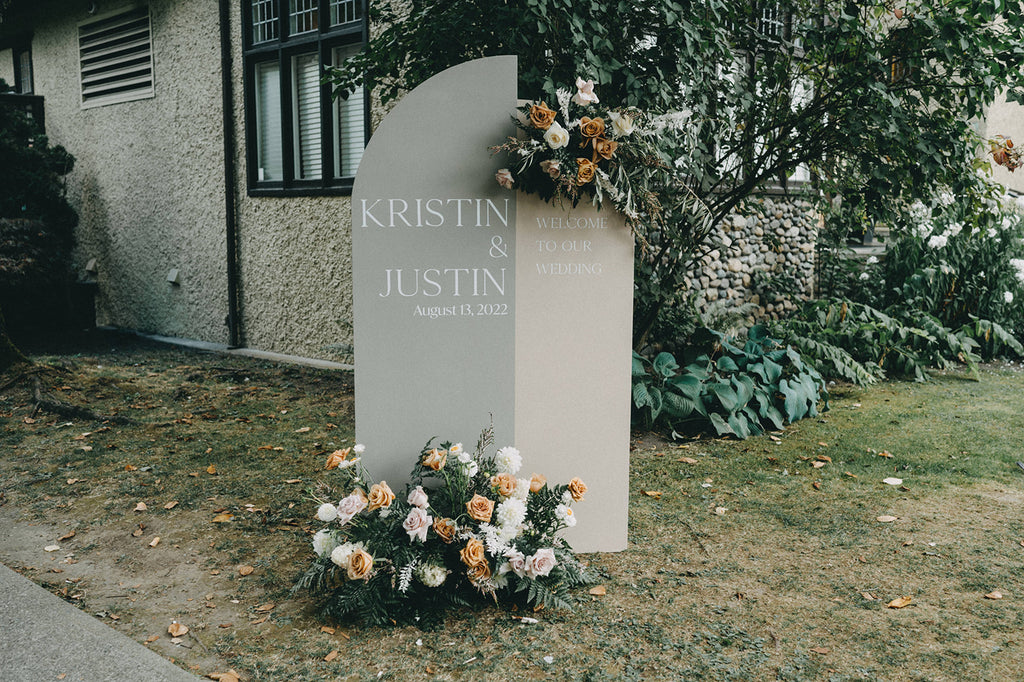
x,y
149,187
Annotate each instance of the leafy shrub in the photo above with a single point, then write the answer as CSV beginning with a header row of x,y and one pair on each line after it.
x,y
732,390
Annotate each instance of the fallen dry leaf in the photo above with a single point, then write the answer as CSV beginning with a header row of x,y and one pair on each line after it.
x,y
72,481
141,506
774,438
656,494
817,465
258,621
66,536
687,460
824,458
152,638
211,470
868,596
994,594
847,473
51,548
892,481
885,453
294,480
885,518
171,505
154,542
331,656
721,510
817,485
820,650
328,629
29,420
177,629
266,607
137,533
304,429
222,518
598,591
229,676
130,467
245,570
899,602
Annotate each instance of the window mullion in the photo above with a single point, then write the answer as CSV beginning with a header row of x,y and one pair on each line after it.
x,y
287,118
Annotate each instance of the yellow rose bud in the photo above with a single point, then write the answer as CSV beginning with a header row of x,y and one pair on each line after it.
x,y
480,508
537,481
360,565
336,458
435,459
577,489
541,117
505,484
380,496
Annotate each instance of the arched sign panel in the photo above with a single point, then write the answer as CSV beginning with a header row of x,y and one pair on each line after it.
x,y
474,303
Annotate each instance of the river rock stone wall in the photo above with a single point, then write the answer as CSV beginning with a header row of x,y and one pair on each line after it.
x,y
764,257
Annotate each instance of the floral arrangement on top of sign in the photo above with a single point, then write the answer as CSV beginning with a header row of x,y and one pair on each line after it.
x,y
571,151
465,529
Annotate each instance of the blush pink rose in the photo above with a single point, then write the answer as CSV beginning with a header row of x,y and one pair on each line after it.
x,y
540,563
417,523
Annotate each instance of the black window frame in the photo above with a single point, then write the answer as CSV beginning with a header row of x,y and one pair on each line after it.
x,y
280,50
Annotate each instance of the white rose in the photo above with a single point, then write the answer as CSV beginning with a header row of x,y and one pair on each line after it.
x,y
1008,296
417,497
622,124
417,523
540,563
556,136
516,562
327,512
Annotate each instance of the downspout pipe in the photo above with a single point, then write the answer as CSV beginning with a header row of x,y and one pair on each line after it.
x,y
230,184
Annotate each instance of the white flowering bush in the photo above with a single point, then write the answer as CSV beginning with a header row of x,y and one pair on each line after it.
x,y
467,527
962,262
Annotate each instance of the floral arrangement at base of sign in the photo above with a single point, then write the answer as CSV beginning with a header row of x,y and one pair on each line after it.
x,y
465,530
578,149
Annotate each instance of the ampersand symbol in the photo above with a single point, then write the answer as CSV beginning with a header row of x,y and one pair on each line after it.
x,y
498,248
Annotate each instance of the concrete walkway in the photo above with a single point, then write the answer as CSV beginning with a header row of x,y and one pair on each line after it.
x,y
44,638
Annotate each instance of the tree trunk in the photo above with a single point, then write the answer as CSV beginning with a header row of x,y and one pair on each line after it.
x,y
10,356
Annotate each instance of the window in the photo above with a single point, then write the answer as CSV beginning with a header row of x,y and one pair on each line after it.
x,y
300,141
23,70
116,58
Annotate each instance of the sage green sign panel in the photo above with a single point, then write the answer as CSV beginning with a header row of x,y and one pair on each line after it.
x,y
433,243
574,313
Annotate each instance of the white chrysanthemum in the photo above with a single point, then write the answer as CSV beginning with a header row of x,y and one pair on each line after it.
x,y
872,260
349,463
341,554
324,542
564,514
327,512
522,490
492,539
359,448
470,468
937,241
567,498
864,276
431,575
512,512
1008,296
508,460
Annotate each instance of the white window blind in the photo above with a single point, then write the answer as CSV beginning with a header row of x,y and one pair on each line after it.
x,y
348,123
268,122
116,58
306,108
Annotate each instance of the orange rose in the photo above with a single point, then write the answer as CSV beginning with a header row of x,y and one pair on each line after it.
x,y
541,117
360,565
445,529
480,508
537,481
336,458
592,127
577,489
585,171
435,459
380,496
504,483
473,554
478,572
605,148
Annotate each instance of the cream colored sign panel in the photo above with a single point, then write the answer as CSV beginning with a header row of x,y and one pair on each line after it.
x,y
574,311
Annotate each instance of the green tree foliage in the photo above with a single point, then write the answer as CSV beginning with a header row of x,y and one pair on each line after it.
x,y
36,221
872,93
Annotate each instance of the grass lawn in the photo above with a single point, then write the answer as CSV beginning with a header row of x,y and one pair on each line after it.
x,y
747,560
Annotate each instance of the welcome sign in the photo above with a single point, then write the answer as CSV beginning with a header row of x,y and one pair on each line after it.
x,y
474,304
